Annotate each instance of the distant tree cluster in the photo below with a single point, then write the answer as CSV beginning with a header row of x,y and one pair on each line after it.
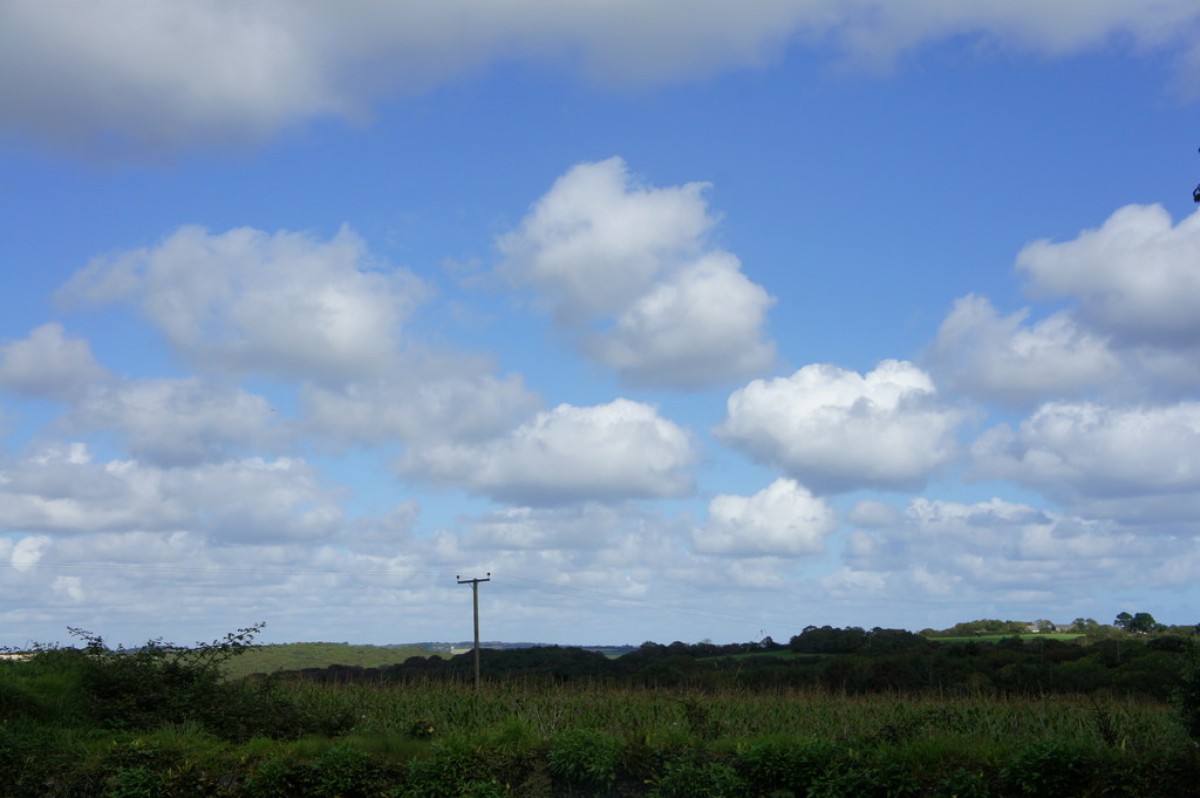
x,y
852,640
1142,623
983,627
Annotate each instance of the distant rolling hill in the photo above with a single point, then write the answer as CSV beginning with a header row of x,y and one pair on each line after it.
x,y
294,656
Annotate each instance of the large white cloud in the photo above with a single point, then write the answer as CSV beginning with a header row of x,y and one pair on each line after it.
x,y
626,557
249,540
618,450
322,314
533,529
246,300
1161,374
782,519
598,240
170,73
702,327
604,252
615,549
162,73
133,585
836,430
601,571
421,399
49,364
178,421
1003,359
62,491
1133,463
1129,332
1005,555
1135,276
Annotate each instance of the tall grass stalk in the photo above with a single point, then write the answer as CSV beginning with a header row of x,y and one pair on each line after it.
x,y
456,709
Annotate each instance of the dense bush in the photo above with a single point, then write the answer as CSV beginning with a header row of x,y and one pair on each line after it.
x,y
152,686
1187,698
781,764
584,756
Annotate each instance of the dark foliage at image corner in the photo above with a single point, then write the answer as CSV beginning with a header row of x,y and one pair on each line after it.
x,y
154,685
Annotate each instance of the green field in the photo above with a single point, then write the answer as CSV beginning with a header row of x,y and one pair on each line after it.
x,y
150,723
296,656
166,721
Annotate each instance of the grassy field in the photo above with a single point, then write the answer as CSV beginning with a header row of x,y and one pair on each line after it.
x,y
548,710
296,656
543,742
169,723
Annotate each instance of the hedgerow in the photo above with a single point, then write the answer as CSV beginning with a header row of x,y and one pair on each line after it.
x,y
163,720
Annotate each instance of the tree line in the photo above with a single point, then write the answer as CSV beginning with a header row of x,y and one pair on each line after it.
x,y
849,659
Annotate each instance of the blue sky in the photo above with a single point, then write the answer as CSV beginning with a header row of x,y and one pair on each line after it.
x,y
683,320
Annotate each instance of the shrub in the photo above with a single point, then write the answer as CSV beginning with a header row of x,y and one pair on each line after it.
x,y
277,778
584,757
43,688
347,772
691,776
158,683
1187,697
783,764
1049,769
155,685
135,782
456,768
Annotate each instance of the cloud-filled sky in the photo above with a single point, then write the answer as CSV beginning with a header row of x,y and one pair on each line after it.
x,y
683,320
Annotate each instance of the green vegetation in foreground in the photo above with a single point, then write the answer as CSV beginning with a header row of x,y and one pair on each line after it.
x,y
165,721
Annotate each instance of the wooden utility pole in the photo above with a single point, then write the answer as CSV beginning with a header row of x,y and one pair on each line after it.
x,y
474,583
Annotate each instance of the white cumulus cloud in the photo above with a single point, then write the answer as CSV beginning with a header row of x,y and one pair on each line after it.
x,y
246,300
586,527
28,551
782,519
836,430
1117,462
49,364
177,421
701,327
442,398
86,72
62,491
627,269
619,450
1134,277
597,240
1004,359
1007,552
